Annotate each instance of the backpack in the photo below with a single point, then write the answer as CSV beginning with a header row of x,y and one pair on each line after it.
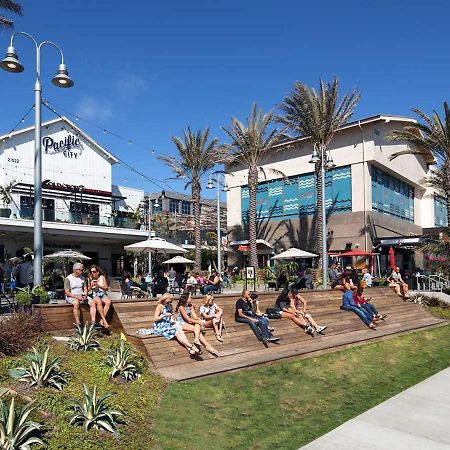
x,y
273,313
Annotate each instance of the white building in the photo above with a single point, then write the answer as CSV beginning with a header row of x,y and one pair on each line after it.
x,y
82,209
372,202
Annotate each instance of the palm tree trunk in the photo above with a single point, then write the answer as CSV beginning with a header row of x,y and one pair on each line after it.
x,y
320,219
197,236
252,187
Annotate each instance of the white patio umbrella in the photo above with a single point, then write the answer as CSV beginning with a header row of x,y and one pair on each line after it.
x,y
155,244
293,253
178,260
70,255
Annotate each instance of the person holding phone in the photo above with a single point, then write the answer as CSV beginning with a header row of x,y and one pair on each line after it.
x,y
361,302
97,290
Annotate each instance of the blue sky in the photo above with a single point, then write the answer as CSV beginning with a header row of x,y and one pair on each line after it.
x,y
146,70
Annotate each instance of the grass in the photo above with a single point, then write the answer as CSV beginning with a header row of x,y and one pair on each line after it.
x,y
285,406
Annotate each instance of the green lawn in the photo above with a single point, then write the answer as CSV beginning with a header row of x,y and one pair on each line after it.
x,y
285,406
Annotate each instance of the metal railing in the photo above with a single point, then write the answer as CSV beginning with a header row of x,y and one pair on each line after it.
x,y
64,216
431,283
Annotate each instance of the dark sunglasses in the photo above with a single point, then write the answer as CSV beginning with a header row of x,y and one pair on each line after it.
x,y
94,271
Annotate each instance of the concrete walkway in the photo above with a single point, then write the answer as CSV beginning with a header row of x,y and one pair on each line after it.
x,y
417,418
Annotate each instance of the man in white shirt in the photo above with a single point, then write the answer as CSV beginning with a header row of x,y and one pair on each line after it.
x,y
396,282
76,294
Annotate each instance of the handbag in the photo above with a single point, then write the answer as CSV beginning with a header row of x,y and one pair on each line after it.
x,y
273,313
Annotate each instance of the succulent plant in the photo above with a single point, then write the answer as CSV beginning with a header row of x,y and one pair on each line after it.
x,y
93,412
16,432
84,338
41,371
122,362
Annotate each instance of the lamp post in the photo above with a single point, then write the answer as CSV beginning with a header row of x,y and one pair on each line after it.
x,y
321,156
11,64
150,214
224,185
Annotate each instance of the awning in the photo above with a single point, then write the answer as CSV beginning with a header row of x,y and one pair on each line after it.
x,y
404,241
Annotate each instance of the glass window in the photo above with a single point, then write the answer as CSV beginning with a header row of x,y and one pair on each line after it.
x,y
440,212
391,195
173,206
185,207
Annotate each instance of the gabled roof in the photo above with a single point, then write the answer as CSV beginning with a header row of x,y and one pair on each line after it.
x,y
97,146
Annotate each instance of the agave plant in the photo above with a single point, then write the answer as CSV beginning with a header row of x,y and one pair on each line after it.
x,y
41,371
93,412
84,338
122,362
16,432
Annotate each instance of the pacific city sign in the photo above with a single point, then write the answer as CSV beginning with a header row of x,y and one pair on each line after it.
x,y
70,146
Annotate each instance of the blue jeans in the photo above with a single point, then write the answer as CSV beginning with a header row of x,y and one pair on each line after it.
x,y
370,308
260,329
364,315
209,288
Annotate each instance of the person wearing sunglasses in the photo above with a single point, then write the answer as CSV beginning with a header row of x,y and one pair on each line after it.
x,y
97,288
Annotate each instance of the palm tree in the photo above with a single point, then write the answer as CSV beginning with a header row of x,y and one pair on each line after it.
x,y
250,144
197,157
11,6
429,137
319,116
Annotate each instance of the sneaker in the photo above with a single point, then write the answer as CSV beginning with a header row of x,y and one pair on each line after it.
x,y
265,342
310,330
271,329
320,329
274,339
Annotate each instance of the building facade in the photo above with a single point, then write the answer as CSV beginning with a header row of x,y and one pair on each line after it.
x,y
372,202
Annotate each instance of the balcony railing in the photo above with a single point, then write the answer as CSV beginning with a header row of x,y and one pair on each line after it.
x,y
59,216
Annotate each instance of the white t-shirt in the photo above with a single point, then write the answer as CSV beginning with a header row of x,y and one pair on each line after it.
x,y
208,310
367,277
75,284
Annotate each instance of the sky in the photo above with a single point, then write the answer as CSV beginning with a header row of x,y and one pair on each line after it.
x,y
146,70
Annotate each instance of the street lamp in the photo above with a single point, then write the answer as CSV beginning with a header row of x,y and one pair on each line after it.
x,y
11,64
224,185
321,156
151,205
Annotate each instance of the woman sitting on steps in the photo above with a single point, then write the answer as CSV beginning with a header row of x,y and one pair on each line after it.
x,y
212,314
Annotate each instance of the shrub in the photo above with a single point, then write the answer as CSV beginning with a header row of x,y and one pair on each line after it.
x,y
41,371
122,362
93,412
18,332
425,300
16,432
39,291
84,338
23,296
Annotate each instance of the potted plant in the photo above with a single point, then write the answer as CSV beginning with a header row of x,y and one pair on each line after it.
x,y
6,199
23,297
39,295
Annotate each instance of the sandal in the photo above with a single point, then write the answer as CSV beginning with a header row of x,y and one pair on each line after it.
x,y
372,326
219,337
193,350
198,347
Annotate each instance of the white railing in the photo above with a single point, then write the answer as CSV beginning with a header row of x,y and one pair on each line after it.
x,y
432,283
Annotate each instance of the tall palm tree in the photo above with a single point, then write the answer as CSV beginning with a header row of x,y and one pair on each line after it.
x,y
11,6
319,116
250,144
197,156
431,136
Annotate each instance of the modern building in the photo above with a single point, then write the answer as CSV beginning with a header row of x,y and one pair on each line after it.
x,y
372,203
82,209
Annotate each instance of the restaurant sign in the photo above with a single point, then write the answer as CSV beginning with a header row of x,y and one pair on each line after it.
x,y
47,184
70,146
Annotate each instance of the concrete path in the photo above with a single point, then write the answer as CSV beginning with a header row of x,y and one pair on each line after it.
x,y
417,418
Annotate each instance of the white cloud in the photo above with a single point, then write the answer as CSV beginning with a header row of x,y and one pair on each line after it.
x,y
92,108
130,86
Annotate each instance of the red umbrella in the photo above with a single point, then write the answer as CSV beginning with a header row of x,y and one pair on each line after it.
x,y
392,257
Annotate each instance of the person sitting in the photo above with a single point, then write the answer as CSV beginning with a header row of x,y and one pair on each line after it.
x,y
167,326
201,281
298,308
189,320
74,289
334,275
55,284
211,313
96,290
244,314
367,278
282,280
189,283
144,285
212,284
396,282
160,284
134,287
348,304
361,302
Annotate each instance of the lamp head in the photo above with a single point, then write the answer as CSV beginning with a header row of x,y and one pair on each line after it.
x,y
11,61
329,162
62,79
156,204
225,187
315,156
210,184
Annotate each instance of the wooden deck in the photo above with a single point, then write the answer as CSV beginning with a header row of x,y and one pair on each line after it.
x,y
240,348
